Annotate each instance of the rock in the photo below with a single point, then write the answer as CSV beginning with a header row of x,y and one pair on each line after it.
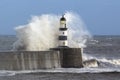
x,y
91,63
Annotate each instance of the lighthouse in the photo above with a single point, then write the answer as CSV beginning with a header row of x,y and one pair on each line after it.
x,y
63,33
69,57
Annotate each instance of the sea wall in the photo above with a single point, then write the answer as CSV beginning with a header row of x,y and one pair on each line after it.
x,y
33,60
29,60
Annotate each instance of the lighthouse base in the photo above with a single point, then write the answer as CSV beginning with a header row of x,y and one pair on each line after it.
x,y
70,57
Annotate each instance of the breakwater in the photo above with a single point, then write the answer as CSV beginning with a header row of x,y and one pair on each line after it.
x,y
29,60
34,60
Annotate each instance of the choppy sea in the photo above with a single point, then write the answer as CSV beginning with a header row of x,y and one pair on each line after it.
x,y
103,48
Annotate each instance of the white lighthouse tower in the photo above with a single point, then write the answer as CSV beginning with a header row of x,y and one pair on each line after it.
x,y
63,33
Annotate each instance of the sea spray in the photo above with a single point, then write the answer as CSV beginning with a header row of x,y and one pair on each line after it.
x,y
92,60
41,33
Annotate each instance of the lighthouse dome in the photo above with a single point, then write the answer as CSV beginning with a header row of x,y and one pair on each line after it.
x,y
62,18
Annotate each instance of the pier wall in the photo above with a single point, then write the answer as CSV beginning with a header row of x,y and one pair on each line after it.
x,y
29,60
33,60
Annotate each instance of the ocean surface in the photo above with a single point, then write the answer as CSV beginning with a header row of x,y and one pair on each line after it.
x,y
103,48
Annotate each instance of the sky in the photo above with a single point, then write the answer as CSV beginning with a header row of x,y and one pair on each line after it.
x,y
102,17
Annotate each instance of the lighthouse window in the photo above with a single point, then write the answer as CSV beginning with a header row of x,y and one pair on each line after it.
x,y
63,43
63,32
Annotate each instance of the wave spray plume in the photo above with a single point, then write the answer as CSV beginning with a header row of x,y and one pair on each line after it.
x,y
41,33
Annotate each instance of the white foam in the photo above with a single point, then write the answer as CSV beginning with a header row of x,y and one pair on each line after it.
x,y
7,73
61,70
109,62
112,61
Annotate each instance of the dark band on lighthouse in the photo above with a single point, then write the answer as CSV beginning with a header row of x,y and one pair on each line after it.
x,y
62,37
63,29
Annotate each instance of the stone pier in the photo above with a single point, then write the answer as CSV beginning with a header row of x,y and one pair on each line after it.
x,y
33,60
29,60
